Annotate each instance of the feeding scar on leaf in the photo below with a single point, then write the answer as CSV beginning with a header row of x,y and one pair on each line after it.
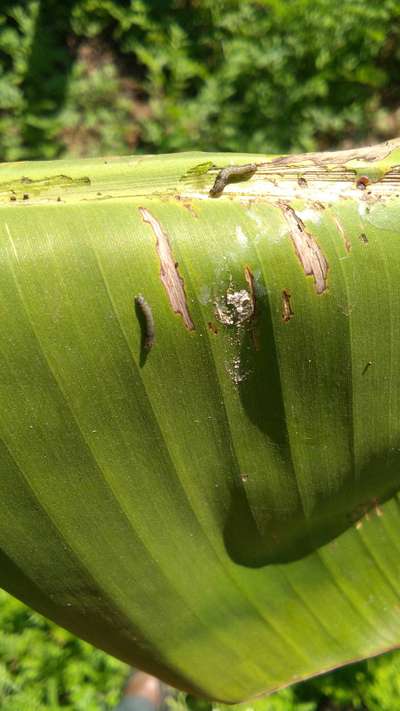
x,y
170,276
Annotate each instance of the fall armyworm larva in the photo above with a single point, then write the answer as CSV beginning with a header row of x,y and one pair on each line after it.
x,y
231,174
148,333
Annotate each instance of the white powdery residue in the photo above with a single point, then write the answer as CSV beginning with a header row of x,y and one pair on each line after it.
x,y
259,286
309,214
362,208
205,295
335,191
235,371
256,218
193,194
241,237
277,235
235,308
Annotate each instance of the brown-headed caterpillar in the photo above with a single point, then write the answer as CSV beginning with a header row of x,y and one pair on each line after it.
x,y
231,174
146,319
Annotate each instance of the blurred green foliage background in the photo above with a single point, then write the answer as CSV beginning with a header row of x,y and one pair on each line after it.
x,y
94,77
45,668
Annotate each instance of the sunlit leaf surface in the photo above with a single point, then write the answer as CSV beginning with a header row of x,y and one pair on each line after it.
x,y
203,482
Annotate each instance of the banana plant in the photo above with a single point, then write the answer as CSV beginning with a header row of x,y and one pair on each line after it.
x,y
200,409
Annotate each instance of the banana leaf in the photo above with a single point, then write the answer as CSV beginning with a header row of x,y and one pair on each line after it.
x,y
200,409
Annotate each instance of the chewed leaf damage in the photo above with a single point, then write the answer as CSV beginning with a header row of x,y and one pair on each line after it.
x,y
169,273
287,310
307,249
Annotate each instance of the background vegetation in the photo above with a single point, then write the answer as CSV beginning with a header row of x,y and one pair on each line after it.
x,y
45,668
92,77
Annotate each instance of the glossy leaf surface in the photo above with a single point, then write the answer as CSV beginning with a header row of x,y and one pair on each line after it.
x,y
220,509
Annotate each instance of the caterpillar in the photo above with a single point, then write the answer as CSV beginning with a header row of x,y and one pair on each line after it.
x,y
146,321
231,174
